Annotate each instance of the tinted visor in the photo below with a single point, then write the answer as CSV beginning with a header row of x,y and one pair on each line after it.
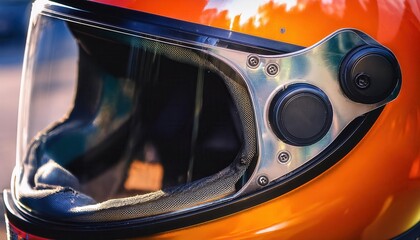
x,y
145,127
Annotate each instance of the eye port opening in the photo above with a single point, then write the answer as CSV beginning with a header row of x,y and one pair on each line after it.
x,y
178,122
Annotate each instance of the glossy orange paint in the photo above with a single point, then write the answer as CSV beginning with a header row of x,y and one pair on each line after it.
x,y
373,192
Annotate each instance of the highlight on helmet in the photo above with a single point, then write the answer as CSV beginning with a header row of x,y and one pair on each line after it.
x,y
173,120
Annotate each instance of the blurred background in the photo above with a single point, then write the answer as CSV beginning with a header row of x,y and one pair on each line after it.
x,y
14,18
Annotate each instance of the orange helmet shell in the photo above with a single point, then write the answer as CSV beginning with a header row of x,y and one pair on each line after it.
x,y
300,22
375,190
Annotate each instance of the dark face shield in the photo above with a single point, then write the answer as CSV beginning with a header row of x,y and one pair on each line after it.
x,y
147,126
119,124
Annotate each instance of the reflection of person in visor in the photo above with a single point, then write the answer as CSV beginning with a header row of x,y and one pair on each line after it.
x,y
146,121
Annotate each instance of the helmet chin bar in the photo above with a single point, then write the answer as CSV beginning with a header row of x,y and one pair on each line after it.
x,y
302,101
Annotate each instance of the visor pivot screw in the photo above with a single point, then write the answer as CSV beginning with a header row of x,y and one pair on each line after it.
x,y
253,61
272,69
263,181
284,157
362,80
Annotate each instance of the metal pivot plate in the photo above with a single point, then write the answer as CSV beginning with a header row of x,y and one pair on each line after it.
x,y
318,66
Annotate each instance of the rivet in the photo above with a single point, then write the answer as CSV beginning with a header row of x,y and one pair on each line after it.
x,y
253,61
262,180
272,69
284,157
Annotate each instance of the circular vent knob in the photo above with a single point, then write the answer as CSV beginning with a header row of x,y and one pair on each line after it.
x,y
300,115
369,74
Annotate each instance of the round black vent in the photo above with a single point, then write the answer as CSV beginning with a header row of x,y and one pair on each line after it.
x,y
369,74
300,115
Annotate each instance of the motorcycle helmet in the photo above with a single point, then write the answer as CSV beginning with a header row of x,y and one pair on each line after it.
x,y
266,119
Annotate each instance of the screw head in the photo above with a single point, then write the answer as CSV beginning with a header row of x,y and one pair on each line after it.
x,y
272,69
284,157
262,181
253,61
362,81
